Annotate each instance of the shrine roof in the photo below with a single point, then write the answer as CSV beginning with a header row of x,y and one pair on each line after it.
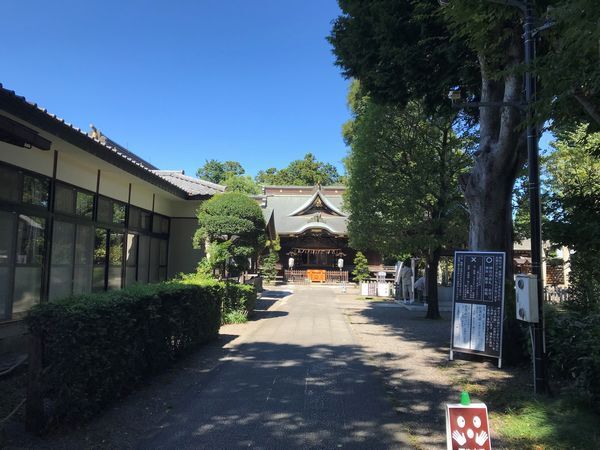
x,y
289,218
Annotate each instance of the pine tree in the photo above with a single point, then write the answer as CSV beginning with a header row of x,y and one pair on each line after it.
x,y
361,267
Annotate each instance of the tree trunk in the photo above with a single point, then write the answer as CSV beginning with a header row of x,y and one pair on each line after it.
x,y
433,309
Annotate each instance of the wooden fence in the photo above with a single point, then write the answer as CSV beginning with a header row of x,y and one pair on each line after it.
x,y
301,276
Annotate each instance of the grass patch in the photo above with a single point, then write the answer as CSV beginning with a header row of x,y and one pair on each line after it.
x,y
547,424
524,421
236,316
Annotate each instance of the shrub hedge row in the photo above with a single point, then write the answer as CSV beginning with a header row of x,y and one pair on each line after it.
x,y
238,299
573,345
96,347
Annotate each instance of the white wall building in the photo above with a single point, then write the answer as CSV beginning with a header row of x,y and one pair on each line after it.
x,y
79,213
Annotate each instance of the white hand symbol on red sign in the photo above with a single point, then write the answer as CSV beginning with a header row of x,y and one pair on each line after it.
x,y
459,437
480,438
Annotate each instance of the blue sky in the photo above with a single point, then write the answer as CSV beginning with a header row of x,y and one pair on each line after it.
x,y
179,81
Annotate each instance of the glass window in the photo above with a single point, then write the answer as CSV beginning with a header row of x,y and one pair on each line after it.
x,y
9,188
131,259
115,261
64,200
145,220
104,210
111,211
118,213
154,260
160,224
30,240
61,270
35,190
29,258
134,217
28,283
7,237
99,260
143,259
84,204
7,226
84,252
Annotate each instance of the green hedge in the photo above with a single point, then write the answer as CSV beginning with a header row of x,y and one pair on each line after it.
x,y
239,297
97,346
573,346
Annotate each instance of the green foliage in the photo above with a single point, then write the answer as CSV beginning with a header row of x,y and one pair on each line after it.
x,y
218,256
301,172
235,221
241,183
98,346
568,64
452,46
574,211
573,346
235,317
401,50
361,267
268,266
217,171
237,299
574,183
403,193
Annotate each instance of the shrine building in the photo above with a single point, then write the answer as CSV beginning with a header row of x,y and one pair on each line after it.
x,y
312,226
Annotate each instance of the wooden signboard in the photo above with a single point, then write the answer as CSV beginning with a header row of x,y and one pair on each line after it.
x,y
316,275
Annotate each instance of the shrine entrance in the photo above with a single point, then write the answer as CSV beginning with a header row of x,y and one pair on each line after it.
x,y
316,265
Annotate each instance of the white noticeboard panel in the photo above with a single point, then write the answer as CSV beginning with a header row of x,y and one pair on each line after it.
x,y
478,303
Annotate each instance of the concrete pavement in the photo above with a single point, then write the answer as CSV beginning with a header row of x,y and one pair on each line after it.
x,y
297,380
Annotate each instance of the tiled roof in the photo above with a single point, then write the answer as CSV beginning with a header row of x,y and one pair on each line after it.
x,y
193,186
108,150
284,205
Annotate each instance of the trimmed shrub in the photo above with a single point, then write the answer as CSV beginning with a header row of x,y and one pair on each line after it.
x,y
573,345
238,298
97,346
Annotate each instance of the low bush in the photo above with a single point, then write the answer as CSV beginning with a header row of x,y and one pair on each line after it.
x,y
97,346
573,346
237,298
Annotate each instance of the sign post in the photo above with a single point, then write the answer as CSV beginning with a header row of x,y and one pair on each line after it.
x,y
467,426
478,304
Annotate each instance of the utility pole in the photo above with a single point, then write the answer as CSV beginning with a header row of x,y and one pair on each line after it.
x,y
535,212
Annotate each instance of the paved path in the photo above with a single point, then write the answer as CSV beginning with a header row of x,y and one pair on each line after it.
x,y
298,380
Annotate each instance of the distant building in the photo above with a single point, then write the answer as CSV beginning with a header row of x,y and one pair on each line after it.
x,y
80,213
312,226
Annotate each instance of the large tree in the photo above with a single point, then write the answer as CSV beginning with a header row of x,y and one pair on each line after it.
x,y
217,171
574,205
402,50
402,188
303,172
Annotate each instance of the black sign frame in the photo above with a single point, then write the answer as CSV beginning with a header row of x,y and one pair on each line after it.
x,y
478,293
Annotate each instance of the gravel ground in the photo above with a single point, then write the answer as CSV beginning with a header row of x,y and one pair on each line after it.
x,y
411,353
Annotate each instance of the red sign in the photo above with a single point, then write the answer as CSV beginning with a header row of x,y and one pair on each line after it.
x,y
467,427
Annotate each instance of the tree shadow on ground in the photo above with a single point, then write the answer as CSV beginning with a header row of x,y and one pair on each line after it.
x,y
430,378
260,395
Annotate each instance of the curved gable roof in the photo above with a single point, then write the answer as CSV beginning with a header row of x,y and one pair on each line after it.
x,y
306,206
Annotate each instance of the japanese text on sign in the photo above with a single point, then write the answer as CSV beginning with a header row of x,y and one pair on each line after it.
x,y
478,302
